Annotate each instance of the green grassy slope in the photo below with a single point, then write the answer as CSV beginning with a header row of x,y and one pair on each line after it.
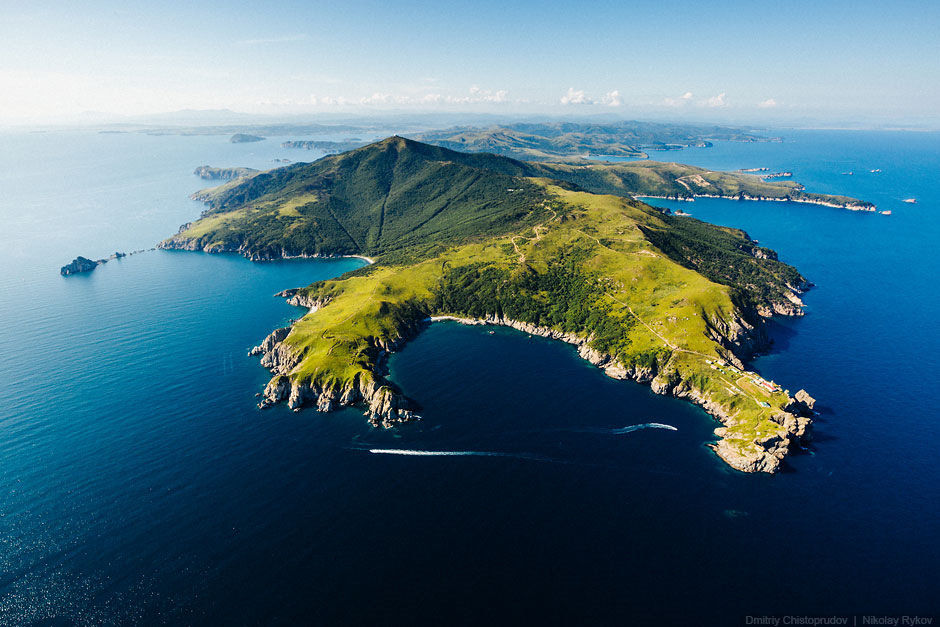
x,y
397,193
586,269
390,195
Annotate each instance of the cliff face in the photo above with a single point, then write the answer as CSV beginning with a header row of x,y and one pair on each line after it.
x,y
243,249
385,406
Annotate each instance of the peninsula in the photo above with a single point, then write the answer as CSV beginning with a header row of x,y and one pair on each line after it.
x,y
209,173
673,302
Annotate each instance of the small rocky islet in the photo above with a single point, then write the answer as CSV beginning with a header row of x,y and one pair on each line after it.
x,y
84,264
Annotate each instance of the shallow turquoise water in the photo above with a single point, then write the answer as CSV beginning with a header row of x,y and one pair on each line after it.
x,y
139,484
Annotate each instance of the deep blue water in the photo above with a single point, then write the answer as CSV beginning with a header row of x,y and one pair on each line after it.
x,y
139,484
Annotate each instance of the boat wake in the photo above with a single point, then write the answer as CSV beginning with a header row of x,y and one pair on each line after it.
x,y
402,451
621,430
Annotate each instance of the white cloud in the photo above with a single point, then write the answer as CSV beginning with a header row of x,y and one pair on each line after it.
x,y
767,104
678,102
475,95
328,100
377,98
714,101
612,99
575,96
478,95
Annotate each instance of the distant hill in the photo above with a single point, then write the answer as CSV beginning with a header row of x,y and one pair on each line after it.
x,y
567,139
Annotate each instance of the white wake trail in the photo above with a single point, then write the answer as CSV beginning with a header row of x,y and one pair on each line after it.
x,y
402,451
621,430
648,425
405,451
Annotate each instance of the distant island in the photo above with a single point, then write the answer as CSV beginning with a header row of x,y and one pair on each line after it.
x,y
210,173
483,239
244,138
562,140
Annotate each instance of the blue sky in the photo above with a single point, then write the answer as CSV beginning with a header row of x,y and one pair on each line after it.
x,y
753,60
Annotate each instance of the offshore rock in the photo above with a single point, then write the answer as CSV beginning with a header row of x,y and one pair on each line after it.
x,y
805,399
79,264
83,264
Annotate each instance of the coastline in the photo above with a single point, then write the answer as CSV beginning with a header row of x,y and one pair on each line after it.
x,y
387,407
195,246
866,208
774,450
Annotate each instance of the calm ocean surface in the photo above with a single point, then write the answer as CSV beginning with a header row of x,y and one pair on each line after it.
x,y
140,485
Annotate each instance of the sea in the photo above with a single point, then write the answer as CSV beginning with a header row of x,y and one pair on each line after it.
x,y
140,485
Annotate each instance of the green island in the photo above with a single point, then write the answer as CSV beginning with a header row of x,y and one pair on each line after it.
x,y
245,138
553,140
483,239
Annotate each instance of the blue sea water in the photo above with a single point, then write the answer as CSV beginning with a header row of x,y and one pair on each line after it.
x,y
139,484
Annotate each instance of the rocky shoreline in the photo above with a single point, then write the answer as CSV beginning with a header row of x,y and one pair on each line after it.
x,y
796,423
243,250
386,406
807,201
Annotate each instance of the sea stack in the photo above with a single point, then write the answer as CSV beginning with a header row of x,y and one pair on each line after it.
x,y
79,264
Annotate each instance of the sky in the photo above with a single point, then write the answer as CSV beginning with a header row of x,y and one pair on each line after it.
x,y
819,60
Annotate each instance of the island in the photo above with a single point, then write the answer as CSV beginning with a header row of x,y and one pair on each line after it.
x,y
245,138
672,302
209,173
83,264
